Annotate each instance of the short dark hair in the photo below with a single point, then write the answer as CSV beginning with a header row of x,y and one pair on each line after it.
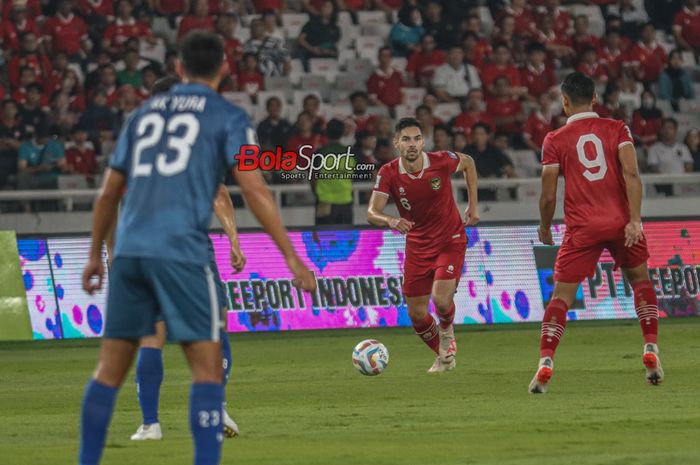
x,y
405,123
201,53
358,94
672,121
270,100
34,86
335,129
164,84
382,143
442,127
579,88
535,47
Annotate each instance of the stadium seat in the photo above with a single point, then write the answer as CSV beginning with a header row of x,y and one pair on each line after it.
x,y
381,30
413,96
246,20
347,83
447,111
344,55
293,22
347,36
340,97
242,34
361,68
155,52
280,83
404,111
344,20
368,46
316,83
161,28
371,17
337,111
665,107
525,163
238,98
295,71
399,63
326,67
377,110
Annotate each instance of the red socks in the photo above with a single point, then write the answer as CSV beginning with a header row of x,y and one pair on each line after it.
x,y
447,319
427,330
647,309
553,326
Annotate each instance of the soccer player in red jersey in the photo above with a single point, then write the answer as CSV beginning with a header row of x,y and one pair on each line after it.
x,y
602,210
436,241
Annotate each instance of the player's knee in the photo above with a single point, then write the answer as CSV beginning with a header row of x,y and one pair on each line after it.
x,y
417,314
442,304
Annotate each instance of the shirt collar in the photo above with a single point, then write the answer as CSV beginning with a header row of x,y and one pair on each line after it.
x,y
584,115
426,165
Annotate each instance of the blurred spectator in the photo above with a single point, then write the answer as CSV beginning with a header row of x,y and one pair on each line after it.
x,y
269,20
582,38
61,118
124,28
504,33
490,161
171,63
647,120
33,112
668,156
592,67
273,130
631,17
611,54
41,160
273,57
442,138
104,9
538,124
26,78
363,120
250,79
29,56
226,28
108,84
557,44
536,76
423,62
630,89
127,103
31,7
93,77
647,57
131,74
474,111
277,6
610,106
405,35
334,195
674,82
686,26
171,9
501,141
502,66
20,22
149,75
364,147
319,37
384,152
561,19
454,79
199,18
443,28
385,84
388,6
692,141
460,142
384,127
427,122
99,120
10,135
59,66
80,154
505,109
477,48
524,21
304,135
615,22
312,105
66,32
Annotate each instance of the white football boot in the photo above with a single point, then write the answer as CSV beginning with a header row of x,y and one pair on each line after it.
x,y
539,383
148,432
230,427
652,363
448,345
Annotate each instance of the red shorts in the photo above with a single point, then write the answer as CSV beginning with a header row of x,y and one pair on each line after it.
x,y
578,255
421,270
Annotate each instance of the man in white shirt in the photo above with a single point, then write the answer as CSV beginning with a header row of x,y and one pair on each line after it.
x,y
668,156
455,78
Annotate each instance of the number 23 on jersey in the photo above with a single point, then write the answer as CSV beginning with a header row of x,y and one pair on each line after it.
x,y
150,131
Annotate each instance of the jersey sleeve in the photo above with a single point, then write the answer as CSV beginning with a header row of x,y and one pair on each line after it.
x,y
382,184
121,158
550,155
624,136
239,132
452,161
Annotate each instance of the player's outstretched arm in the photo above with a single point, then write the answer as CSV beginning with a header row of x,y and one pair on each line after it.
x,y
260,201
468,167
548,202
103,219
226,214
377,217
633,183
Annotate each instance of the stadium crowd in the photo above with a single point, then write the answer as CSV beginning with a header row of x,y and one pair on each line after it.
x,y
482,77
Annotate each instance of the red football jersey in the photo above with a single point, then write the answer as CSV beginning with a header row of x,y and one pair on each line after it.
x,y
66,34
688,23
426,199
586,150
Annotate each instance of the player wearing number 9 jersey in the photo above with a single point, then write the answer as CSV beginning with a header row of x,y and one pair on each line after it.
x,y
602,210
171,155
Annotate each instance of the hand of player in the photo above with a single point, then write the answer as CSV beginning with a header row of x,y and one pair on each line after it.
x,y
402,225
633,233
545,235
94,268
471,215
303,277
238,260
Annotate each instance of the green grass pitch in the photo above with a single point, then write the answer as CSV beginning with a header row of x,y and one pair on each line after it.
x,y
298,400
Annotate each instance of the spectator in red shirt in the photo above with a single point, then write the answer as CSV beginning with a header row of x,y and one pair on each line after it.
x,y
647,121
538,124
277,6
98,8
149,76
226,28
18,24
304,134
422,63
66,32
250,79
502,66
30,56
536,76
33,8
482,48
389,6
170,8
647,57
72,89
108,85
686,26
198,19
592,67
27,79
525,24
582,38
442,138
558,45
80,153
611,54
124,28
474,111
562,19
385,84
359,101
505,108
504,33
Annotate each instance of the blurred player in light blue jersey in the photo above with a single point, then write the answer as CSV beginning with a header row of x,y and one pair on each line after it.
x,y
170,157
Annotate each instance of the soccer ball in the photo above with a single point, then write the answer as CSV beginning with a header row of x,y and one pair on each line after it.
x,y
370,357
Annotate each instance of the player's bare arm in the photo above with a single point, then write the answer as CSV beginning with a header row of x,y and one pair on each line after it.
x,y
467,166
226,214
261,203
103,220
548,202
633,183
377,217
